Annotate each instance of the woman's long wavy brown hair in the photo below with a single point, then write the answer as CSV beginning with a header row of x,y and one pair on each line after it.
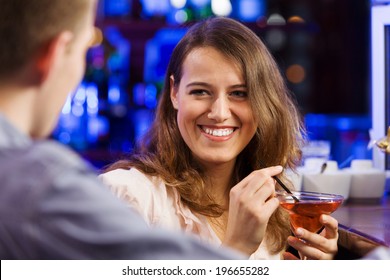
x,y
278,140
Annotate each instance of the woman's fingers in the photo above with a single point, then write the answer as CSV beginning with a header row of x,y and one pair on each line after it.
x,y
308,251
317,246
331,227
258,177
259,181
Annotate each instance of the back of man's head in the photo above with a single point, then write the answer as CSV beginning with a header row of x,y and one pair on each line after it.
x,y
26,25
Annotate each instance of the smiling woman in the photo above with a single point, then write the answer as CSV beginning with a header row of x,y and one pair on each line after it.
x,y
224,115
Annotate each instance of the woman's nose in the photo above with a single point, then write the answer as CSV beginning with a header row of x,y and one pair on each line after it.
x,y
220,109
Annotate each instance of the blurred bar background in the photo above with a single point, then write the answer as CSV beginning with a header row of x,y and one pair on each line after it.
x,y
322,47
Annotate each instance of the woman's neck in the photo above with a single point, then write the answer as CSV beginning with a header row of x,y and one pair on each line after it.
x,y
219,183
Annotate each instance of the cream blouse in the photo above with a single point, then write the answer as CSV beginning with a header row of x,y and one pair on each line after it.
x,y
161,206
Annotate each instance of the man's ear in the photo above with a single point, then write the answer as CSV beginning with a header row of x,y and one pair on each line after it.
x,y
173,92
50,54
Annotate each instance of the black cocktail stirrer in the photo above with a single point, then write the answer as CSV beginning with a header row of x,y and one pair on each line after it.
x,y
285,188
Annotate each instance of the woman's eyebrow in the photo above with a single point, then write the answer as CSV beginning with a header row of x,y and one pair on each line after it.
x,y
208,85
198,84
238,86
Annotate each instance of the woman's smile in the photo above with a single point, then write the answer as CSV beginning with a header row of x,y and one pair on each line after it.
x,y
217,133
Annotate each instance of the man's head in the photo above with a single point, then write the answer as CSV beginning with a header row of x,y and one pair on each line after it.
x,y
42,50
25,25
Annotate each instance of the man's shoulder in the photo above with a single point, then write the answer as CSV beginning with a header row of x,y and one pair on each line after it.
x,y
47,154
30,171
35,169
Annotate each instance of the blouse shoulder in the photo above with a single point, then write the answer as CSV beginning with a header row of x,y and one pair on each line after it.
x,y
147,194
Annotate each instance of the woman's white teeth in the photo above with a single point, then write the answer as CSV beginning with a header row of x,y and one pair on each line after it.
x,y
219,132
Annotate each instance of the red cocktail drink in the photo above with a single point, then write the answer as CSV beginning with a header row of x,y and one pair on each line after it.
x,y
306,212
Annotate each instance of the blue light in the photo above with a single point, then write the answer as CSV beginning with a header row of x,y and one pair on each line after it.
x,y
251,10
155,7
80,96
142,120
92,99
343,123
64,137
150,96
181,16
114,94
200,3
67,106
79,123
120,59
126,146
77,110
117,7
158,51
139,94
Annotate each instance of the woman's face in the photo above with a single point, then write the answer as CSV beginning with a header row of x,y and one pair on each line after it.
x,y
213,112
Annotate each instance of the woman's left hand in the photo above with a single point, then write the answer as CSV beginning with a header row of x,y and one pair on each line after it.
x,y
313,246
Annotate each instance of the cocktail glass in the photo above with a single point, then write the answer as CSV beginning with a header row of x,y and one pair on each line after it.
x,y
306,212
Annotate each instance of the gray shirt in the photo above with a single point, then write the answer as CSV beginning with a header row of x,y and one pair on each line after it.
x,y
52,206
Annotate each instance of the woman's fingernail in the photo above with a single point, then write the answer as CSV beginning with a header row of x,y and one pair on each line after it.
x,y
299,232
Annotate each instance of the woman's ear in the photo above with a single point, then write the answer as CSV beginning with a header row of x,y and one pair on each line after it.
x,y
50,55
173,90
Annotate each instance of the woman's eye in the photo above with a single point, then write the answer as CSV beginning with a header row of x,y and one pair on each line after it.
x,y
240,94
198,92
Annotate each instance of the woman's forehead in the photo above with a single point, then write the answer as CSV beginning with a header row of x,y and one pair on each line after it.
x,y
206,62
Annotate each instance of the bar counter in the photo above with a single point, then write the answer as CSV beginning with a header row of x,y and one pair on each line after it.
x,y
363,226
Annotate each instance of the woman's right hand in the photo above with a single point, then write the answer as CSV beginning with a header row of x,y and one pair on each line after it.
x,y
251,204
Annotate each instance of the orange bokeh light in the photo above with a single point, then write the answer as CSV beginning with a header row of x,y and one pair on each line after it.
x,y
295,73
295,19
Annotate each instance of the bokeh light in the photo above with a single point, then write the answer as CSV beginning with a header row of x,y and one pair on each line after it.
x,y
295,73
